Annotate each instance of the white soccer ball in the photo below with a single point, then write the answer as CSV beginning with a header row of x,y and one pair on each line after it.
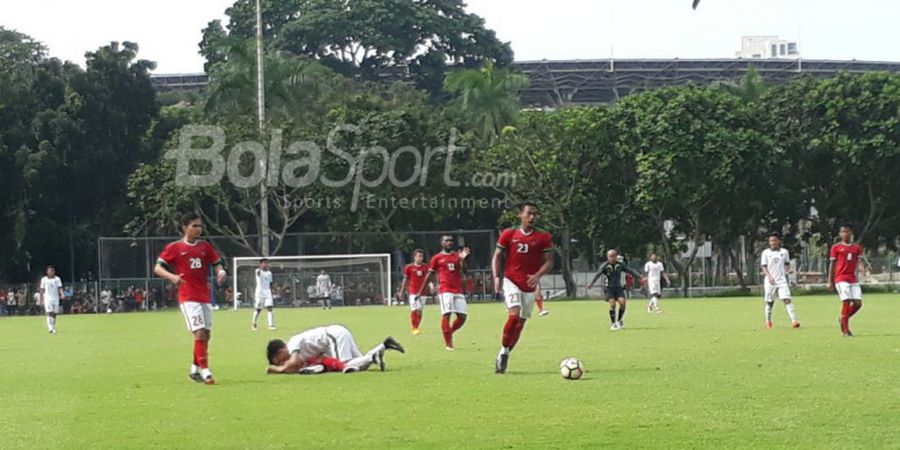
x,y
571,369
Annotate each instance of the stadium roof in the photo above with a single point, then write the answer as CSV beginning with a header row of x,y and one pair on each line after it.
x,y
555,83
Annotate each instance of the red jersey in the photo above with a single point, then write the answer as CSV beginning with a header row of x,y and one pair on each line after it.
x,y
191,262
416,276
448,268
846,260
524,254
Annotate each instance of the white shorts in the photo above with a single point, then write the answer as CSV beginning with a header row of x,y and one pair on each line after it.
x,y
516,298
453,303
197,316
416,302
343,347
51,306
848,291
263,301
776,292
654,287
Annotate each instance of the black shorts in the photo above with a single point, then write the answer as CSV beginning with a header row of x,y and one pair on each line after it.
x,y
614,293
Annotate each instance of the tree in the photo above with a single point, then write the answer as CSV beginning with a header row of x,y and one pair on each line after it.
x,y
842,136
557,159
691,146
488,98
370,38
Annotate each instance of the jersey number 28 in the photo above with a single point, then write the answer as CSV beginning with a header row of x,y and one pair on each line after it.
x,y
196,263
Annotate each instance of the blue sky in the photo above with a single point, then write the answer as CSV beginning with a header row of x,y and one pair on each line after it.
x,y
168,30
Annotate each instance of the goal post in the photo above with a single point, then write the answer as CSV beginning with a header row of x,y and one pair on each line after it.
x,y
360,279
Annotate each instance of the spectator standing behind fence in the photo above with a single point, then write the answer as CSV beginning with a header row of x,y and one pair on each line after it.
x,y
139,299
3,301
12,302
106,300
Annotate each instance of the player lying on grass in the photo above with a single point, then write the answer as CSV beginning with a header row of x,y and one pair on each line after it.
x,y
324,349
775,262
613,290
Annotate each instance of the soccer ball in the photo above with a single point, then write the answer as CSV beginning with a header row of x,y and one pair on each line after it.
x,y
571,369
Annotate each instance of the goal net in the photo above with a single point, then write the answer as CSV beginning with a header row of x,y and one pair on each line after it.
x,y
332,280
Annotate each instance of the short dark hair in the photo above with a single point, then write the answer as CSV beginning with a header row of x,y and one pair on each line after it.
x,y
848,227
526,204
272,349
443,236
418,250
775,234
187,218
263,260
47,269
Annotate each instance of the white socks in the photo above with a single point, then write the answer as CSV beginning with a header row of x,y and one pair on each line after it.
x,y
51,323
790,310
195,368
504,351
205,373
769,311
255,316
271,315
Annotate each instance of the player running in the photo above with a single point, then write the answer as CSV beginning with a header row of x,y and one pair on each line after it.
x,y
186,264
51,291
524,255
775,262
263,295
449,265
323,289
414,276
539,302
613,288
843,277
654,273
324,349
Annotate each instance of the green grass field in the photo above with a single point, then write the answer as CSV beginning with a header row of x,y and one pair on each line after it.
x,y
702,375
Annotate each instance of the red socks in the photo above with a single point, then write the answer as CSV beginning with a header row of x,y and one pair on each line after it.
x,y
201,358
845,316
511,331
855,308
447,330
415,319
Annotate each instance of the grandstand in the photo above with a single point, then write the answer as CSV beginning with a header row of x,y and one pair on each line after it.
x,y
557,83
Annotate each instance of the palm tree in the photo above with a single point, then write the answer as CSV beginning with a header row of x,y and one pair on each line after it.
x,y
750,89
488,96
293,84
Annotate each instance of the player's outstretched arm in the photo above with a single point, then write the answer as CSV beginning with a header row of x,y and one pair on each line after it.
x,y
597,277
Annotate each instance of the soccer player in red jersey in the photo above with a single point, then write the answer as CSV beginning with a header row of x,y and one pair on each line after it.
x,y
524,255
413,280
842,275
186,264
449,265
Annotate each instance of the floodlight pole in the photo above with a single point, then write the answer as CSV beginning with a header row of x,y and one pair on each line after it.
x,y
261,112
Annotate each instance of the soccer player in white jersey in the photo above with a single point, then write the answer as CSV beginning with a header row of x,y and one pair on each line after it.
x,y
655,272
775,262
263,295
324,349
51,291
323,289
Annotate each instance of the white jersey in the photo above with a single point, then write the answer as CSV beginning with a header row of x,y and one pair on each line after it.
x,y
323,284
263,283
654,270
775,260
51,287
311,343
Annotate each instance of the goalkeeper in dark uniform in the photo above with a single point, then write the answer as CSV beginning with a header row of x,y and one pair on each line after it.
x,y
613,290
